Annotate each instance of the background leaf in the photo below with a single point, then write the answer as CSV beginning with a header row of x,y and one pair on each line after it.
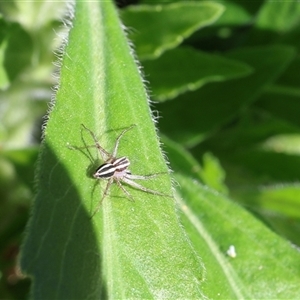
x,y
167,25
218,103
184,69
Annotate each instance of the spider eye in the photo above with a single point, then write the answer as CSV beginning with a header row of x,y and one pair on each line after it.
x,y
105,171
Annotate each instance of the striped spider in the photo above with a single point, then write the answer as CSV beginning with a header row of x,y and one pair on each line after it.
x,y
116,170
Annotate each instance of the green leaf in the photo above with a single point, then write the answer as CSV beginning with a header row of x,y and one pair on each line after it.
x,y
290,77
217,103
182,161
251,130
281,99
270,165
23,160
226,29
4,80
282,151
214,224
32,15
284,198
282,102
276,22
213,173
19,113
251,7
157,28
286,226
234,14
184,69
278,205
128,249
18,51
279,16
284,143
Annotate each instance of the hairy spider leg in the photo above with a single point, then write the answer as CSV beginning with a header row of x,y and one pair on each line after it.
x,y
114,154
144,177
97,145
140,187
123,189
110,181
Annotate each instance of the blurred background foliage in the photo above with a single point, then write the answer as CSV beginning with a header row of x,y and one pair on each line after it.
x,y
226,90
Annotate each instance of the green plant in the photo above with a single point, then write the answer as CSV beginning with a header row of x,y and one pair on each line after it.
x,y
225,80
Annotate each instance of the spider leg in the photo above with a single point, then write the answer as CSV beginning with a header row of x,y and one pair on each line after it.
x,y
80,148
144,177
89,156
142,188
110,181
124,190
118,140
97,145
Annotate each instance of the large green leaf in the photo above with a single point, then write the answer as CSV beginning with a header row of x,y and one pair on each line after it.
x,y
277,22
234,14
282,103
281,99
263,266
267,164
278,16
214,224
284,199
185,69
128,249
216,103
156,28
278,205
241,6
251,130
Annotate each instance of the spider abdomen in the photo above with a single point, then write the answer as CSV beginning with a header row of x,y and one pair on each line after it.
x,y
118,167
121,163
105,171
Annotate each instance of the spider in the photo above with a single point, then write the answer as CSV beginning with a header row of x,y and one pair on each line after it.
x,y
116,170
